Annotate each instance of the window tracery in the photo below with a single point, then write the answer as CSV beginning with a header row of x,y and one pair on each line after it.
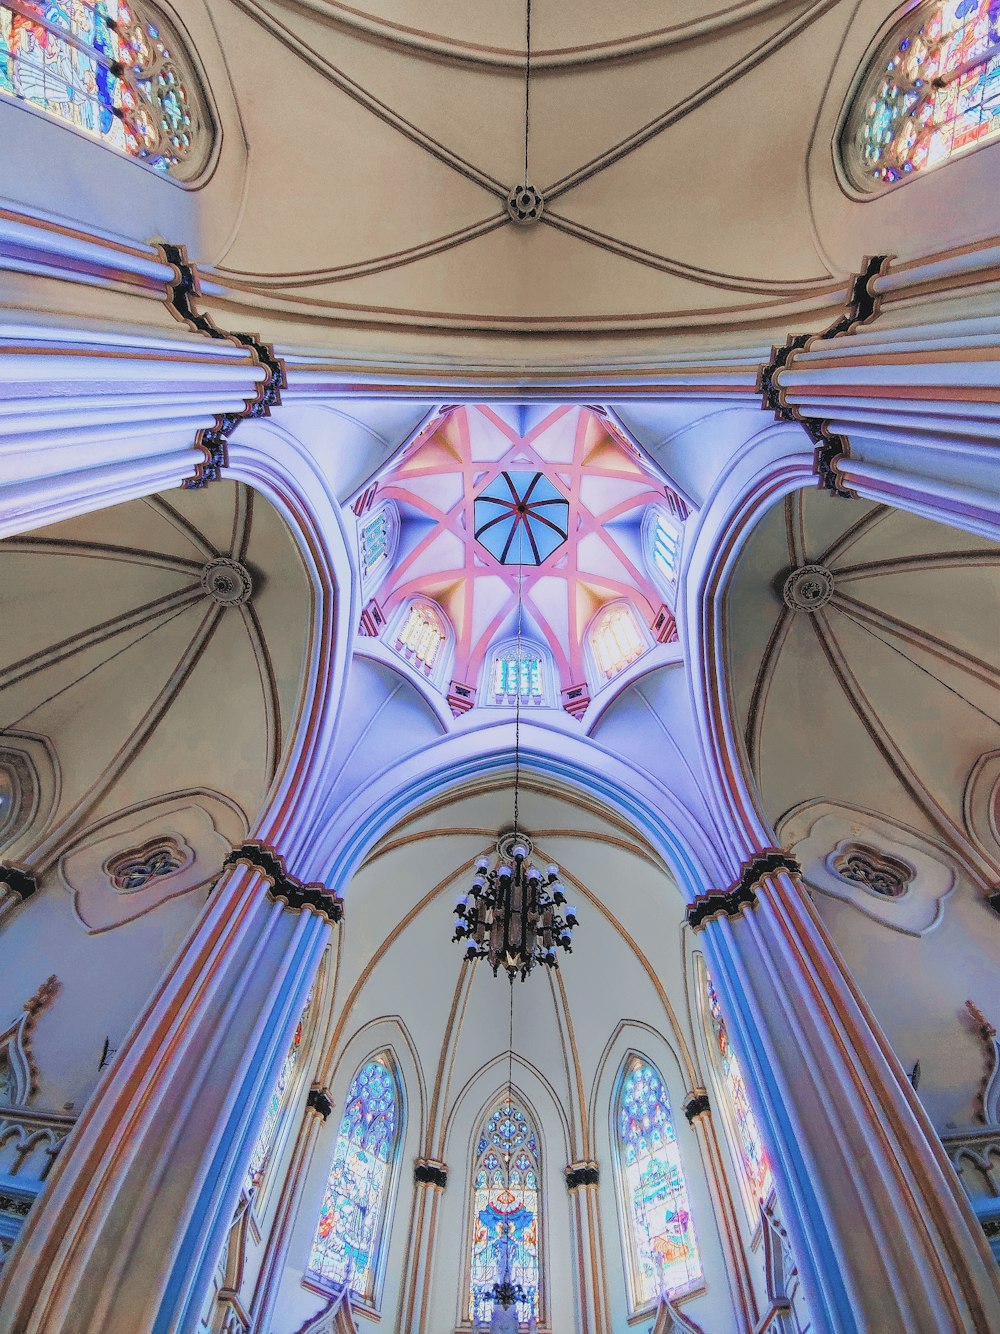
x,y
110,69
506,1205
276,1105
377,537
350,1232
661,542
659,1237
756,1178
932,90
889,877
518,673
616,639
422,636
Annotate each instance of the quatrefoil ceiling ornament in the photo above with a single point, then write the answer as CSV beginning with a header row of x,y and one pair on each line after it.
x,y
525,205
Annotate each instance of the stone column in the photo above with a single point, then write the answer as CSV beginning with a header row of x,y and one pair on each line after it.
x,y
697,1110
319,1106
140,1202
430,1177
882,1232
593,1311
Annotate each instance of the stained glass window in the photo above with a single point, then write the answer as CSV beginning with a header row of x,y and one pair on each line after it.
x,y
666,548
663,1253
755,1168
109,68
932,91
517,673
616,639
348,1239
378,540
421,636
506,1205
269,1130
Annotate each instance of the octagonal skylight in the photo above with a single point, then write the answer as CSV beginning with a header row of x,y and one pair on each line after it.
x,y
520,518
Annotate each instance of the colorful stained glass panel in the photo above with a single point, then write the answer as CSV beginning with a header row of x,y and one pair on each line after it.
x,y
505,1213
661,1240
934,92
756,1169
269,1130
349,1232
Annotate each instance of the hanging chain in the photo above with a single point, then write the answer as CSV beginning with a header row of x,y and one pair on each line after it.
x,y
521,520
527,89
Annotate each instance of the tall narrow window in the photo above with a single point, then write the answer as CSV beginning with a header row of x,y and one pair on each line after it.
x,y
276,1105
616,639
659,1235
755,1169
932,90
422,636
111,69
377,537
518,673
506,1204
350,1235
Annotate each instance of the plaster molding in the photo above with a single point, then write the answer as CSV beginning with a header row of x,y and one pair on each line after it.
x,y
742,895
284,887
214,441
15,1043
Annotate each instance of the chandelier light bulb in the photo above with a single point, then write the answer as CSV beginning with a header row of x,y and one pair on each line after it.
x,y
534,875
479,884
551,872
558,893
519,851
571,918
504,871
482,865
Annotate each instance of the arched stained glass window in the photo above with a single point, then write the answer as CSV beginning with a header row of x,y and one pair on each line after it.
x,y
659,1235
755,1169
518,672
276,1104
111,69
616,639
377,535
931,91
349,1236
421,636
506,1209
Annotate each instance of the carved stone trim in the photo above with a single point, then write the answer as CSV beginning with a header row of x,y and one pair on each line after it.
x,y
742,895
831,449
15,1043
18,879
694,1105
284,887
581,1174
430,1172
214,441
319,1101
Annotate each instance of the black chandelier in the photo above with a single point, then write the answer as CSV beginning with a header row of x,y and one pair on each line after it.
x,y
513,915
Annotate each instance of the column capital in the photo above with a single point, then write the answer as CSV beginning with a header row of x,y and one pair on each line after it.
x,y
741,895
18,880
584,1173
696,1104
284,887
319,1101
430,1172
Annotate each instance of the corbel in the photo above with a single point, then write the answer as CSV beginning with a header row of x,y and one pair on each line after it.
x,y
430,1172
743,894
213,441
832,449
581,1174
284,887
694,1105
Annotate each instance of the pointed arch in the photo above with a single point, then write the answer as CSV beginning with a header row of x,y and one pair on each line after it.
x,y
349,1248
423,636
615,637
658,1239
512,671
506,1214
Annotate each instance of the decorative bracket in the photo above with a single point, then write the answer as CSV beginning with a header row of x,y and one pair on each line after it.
x,y
582,1174
284,887
214,440
17,880
319,1101
430,1172
694,1105
731,902
831,449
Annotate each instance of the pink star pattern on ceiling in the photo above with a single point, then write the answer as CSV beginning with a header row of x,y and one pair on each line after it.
x,y
608,489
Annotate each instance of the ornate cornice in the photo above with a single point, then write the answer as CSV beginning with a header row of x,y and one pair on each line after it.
x,y
284,887
695,1104
582,1174
18,879
430,1172
831,449
742,895
214,441
319,1101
